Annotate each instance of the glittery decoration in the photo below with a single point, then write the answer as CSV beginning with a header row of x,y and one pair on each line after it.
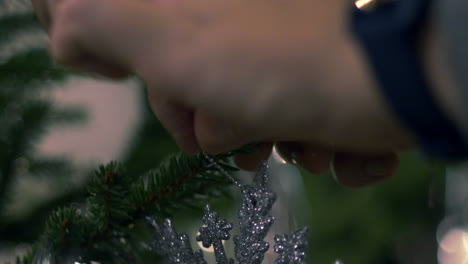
x,y
173,245
254,219
291,247
254,223
213,233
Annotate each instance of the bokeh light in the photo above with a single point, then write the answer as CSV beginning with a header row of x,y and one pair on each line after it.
x,y
453,248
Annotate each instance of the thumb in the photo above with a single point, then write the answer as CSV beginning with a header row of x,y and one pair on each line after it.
x,y
361,170
215,135
178,120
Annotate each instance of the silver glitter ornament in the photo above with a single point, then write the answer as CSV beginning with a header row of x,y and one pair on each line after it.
x,y
173,245
213,233
291,247
255,221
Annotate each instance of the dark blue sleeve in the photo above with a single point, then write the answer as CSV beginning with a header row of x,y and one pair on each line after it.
x,y
389,35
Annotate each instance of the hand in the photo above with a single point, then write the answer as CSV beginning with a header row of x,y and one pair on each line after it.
x,y
224,73
46,11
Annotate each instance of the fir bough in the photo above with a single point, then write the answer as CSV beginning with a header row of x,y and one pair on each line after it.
x,y
26,114
100,230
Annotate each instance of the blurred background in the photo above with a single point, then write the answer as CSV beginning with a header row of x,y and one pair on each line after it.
x,y
57,126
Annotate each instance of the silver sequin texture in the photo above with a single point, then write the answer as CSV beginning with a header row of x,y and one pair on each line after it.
x,y
254,219
291,247
254,222
173,245
213,233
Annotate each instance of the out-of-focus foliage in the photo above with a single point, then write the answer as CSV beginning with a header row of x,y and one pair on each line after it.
x,y
393,222
118,203
25,116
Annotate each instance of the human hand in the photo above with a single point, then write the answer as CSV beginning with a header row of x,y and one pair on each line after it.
x,y
222,74
46,11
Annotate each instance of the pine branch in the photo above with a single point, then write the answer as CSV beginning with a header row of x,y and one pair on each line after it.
x,y
11,25
23,132
26,259
25,114
13,229
39,67
177,179
108,205
14,8
118,201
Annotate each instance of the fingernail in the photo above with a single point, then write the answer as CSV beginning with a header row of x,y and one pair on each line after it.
x,y
296,158
378,168
290,152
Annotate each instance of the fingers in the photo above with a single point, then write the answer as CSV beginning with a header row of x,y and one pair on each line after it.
x,y
251,162
358,170
349,169
313,157
216,135
178,120
201,131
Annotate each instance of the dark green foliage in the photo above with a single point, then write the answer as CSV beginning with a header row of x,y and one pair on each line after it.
x,y
185,180
117,202
30,68
26,259
108,204
24,121
26,113
61,226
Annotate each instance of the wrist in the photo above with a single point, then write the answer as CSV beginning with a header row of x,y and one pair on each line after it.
x,y
360,117
392,36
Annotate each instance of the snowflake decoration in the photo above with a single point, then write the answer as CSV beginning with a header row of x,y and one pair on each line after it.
x,y
254,219
291,247
176,246
213,233
254,223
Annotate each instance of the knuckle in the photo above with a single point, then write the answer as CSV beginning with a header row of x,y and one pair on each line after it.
x,y
66,32
219,140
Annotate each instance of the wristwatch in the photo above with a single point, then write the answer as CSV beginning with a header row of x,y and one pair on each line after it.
x,y
389,32
370,5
